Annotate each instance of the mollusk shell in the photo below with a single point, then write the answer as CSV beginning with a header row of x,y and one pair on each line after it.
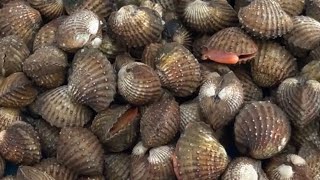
x,y
311,70
167,4
152,5
99,177
111,47
190,112
8,116
117,166
293,8
122,60
9,177
313,9
312,157
308,135
197,45
101,7
49,9
149,54
174,31
28,172
2,166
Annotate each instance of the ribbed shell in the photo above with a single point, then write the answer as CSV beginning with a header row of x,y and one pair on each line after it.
x,y
312,157
111,47
310,134
117,166
272,64
101,7
300,99
80,151
220,98
8,116
265,18
152,5
18,18
17,91
167,4
293,8
9,178
233,40
149,54
198,154
160,122
178,69
20,144
13,51
311,70
174,31
313,9
28,173
117,127
135,26
122,60
92,81
314,54
190,112
99,177
47,67
49,9
57,108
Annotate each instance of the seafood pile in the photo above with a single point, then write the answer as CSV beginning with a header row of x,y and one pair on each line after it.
x,y
160,89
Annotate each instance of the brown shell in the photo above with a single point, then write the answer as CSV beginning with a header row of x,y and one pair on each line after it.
x,y
139,84
8,116
261,129
265,18
80,151
28,173
17,91
13,51
220,98
149,54
122,60
99,177
20,144
160,122
310,134
233,40
111,47
311,70
117,127
18,18
152,5
313,9
2,166
312,157
314,54
49,9
197,45
178,69
241,3
57,108
190,112
47,66
300,99
8,178
272,64
293,8
289,167
117,166
199,155
174,31
208,16
135,26
101,7
92,81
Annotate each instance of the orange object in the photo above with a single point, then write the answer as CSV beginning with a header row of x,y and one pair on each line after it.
x,y
220,56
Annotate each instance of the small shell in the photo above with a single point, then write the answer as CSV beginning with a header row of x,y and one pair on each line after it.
x,y
313,9
111,47
57,108
8,178
312,157
272,64
92,81
190,112
122,60
178,69
167,4
20,144
311,70
17,91
28,173
261,129
139,84
80,151
49,9
149,54
47,67
8,116
152,5
2,167
99,177
199,155
13,51
135,26
101,7
310,135
117,166
265,18
293,8
174,31
221,98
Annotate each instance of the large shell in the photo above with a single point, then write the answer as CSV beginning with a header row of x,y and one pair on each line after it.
x,y
178,69
117,127
310,135
13,51
199,155
190,112
20,144
139,84
80,150
57,108
311,70
312,157
49,9
272,64
135,26
261,129
31,173
101,7
111,47
47,67
300,99
117,166
92,81
265,18
17,91
220,97
8,116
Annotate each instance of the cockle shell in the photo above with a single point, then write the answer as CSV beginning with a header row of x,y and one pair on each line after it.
x,y
49,9
174,31
149,54
111,47
167,4
9,177
28,173
308,135
102,8
311,70
293,8
98,177
190,112
152,5
117,166
8,116
197,45
122,60
312,157
313,9
2,166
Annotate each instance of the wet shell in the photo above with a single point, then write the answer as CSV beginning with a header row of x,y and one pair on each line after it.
x,y
92,81
156,164
111,47
272,64
149,54
152,5
31,173
49,9
312,157
78,30
310,135
80,150
313,9
208,16
13,51
265,18
167,4
17,91
117,166
178,69
18,18
311,70
300,99
47,67
57,108
199,155
20,144
220,97
293,8
190,112
288,167
135,26
117,127
174,31
160,122
122,60
101,7
261,129
242,168
138,83
8,116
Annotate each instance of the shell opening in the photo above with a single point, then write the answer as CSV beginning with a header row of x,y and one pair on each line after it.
x,y
124,119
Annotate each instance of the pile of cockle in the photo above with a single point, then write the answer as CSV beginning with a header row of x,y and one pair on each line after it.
x,y
160,89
